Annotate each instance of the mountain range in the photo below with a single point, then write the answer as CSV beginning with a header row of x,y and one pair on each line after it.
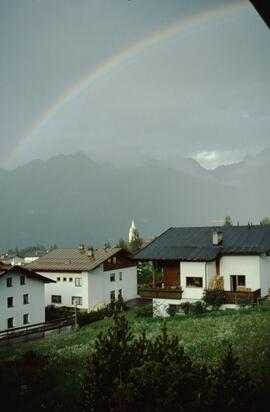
x,y
70,199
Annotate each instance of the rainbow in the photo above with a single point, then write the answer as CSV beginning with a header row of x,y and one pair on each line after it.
x,y
106,66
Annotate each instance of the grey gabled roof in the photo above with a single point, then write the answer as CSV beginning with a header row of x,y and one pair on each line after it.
x,y
195,243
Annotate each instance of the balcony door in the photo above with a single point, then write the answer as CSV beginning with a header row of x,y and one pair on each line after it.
x,y
171,274
237,281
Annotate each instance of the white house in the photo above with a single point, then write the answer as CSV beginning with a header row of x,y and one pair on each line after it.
x,y
12,259
197,258
87,278
22,299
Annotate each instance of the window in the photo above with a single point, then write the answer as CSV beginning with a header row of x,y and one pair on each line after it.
x,y
194,282
10,302
25,299
22,280
78,281
112,296
64,279
10,323
241,281
58,279
114,259
120,275
70,279
120,293
237,281
26,318
112,277
76,300
9,282
56,299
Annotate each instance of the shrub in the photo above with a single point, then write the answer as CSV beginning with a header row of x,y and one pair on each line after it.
x,y
185,306
85,318
197,308
144,311
213,298
171,310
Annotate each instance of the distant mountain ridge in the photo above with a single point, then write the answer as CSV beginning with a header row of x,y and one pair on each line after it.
x,y
71,198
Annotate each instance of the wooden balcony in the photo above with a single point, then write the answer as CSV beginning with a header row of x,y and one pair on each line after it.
x,y
242,297
160,293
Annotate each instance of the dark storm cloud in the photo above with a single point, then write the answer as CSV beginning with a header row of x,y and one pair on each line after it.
x,y
203,93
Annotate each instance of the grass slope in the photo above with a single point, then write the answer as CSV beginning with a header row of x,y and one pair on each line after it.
x,y
205,338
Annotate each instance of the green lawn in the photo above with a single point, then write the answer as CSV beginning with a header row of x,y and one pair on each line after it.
x,y
204,337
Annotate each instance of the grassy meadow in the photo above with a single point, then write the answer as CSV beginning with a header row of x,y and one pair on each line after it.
x,y
204,337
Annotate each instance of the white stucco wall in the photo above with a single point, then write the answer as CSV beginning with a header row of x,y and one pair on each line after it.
x,y
193,269
248,266
66,289
210,271
96,287
35,308
265,274
100,285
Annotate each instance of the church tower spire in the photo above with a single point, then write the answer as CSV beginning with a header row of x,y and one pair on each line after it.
x,y
132,232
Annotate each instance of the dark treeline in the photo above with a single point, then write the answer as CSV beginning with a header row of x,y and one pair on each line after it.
x,y
32,250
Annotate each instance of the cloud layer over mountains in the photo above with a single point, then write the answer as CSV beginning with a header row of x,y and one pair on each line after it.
x,y
69,199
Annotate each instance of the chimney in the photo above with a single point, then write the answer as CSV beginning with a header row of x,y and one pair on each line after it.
x,y
90,252
81,247
217,237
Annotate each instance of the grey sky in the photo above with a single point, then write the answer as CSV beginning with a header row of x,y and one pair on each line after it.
x,y
203,92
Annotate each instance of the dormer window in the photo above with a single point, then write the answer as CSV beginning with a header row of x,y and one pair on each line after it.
x,y
217,237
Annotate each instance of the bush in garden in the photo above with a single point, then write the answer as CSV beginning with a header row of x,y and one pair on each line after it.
x,y
185,307
197,308
85,318
171,310
144,311
214,298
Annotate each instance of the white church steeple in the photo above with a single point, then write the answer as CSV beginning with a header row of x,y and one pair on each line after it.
x,y
132,232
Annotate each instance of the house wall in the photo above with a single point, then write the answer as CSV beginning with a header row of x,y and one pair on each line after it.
x,y
210,271
96,287
100,285
248,266
193,269
35,308
66,289
265,274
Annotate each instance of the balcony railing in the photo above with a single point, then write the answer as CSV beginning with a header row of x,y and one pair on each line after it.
x,y
160,293
242,297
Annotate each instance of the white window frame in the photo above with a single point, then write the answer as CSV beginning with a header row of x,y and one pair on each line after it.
x,y
78,282
28,299
13,324
28,318
79,300
13,302
194,286
56,303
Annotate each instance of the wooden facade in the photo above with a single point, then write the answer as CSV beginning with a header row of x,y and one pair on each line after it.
x,y
119,261
160,293
240,297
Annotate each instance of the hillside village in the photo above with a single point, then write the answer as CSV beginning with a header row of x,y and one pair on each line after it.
x,y
192,262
